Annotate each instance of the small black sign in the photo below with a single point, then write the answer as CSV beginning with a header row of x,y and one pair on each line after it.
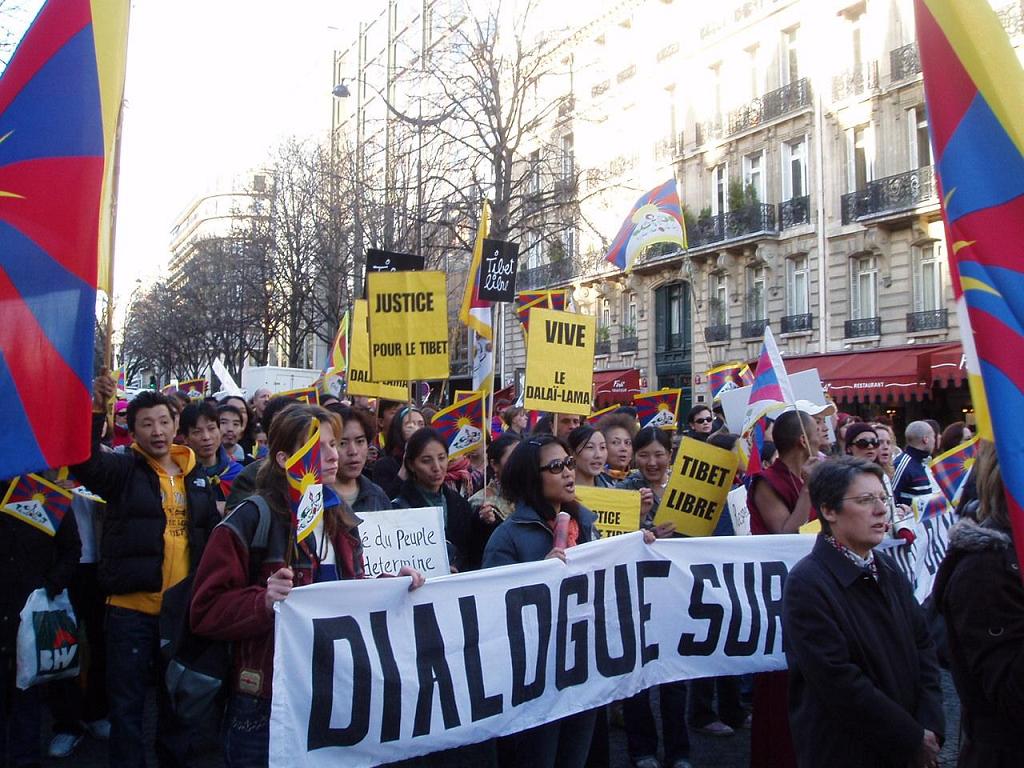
x,y
386,261
498,271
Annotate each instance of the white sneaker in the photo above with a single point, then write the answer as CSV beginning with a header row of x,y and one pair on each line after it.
x,y
63,744
100,729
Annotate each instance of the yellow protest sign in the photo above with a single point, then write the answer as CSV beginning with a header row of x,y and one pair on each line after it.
x,y
617,511
560,362
697,488
408,325
359,381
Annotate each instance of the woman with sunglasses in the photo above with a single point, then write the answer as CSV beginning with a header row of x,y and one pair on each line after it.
x,y
699,421
386,471
862,442
540,478
426,464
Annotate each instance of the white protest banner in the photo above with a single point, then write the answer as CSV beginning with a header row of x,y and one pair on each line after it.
x,y
393,538
366,672
738,511
920,560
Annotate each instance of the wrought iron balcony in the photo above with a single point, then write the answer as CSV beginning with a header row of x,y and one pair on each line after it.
x,y
668,148
602,348
931,320
795,211
743,222
552,273
1012,17
707,131
797,323
781,101
753,329
855,81
896,193
627,344
715,333
904,62
566,105
865,326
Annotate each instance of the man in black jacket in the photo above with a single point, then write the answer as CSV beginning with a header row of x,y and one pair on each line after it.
x,y
863,677
160,513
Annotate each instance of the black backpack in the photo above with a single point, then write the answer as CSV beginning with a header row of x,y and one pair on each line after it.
x,y
198,667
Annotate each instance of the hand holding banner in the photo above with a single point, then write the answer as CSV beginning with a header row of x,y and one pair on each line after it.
x,y
698,487
560,362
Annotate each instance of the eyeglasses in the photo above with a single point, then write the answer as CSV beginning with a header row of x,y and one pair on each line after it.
x,y
704,420
867,499
558,465
866,443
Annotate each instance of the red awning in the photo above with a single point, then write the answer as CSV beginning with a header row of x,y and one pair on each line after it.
x,y
616,386
903,373
948,366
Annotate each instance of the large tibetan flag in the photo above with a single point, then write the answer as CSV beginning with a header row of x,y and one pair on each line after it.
x,y
975,93
305,486
722,378
37,502
656,217
60,102
475,312
461,424
951,468
658,409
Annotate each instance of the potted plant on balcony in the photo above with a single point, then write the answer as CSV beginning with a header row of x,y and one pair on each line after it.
x,y
627,331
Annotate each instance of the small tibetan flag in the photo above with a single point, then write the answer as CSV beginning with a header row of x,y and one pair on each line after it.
x,y
307,395
596,416
722,378
951,468
195,389
658,409
38,502
305,487
461,424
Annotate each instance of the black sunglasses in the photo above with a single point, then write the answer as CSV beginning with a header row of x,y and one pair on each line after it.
x,y
704,420
558,465
869,443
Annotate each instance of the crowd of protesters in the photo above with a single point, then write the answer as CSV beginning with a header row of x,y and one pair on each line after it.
x,y
191,529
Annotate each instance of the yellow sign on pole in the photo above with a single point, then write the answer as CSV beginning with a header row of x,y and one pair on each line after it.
x,y
560,362
359,381
408,325
697,488
617,511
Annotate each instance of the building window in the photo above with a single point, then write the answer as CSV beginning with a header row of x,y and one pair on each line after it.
x,y
568,161
533,183
797,286
671,317
863,287
718,299
720,189
794,169
715,71
920,148
534,250
753,174
755,80
604,315
755,306
629,313
790,59
860,143
569,241
927,272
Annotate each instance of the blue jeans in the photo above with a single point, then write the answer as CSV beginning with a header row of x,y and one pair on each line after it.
x,y
247,732
20,713
133,662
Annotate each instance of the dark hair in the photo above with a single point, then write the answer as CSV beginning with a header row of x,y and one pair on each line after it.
x,y
936,428
498,446
830,482
521,479
418,442
274,405
692,413
789,427
724,440
855,430
148,399
386,405
649,435
350,414
952,436
991,492
510,413
394,441
768,452
579,437
626,410
190,416
233,410
543,425
617,421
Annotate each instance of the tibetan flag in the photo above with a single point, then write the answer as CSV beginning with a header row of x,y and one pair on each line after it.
x,y
60,103
975,94
169,389
119,378
475,313
195,389
658,409
305,487
746,376
596,416
951,468
722,378
926,507
770,392
337,363
307,395
461,394
657,217
38,502
462,425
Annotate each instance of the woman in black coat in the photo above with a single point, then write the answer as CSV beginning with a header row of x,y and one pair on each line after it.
x,y
979,592
863,677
